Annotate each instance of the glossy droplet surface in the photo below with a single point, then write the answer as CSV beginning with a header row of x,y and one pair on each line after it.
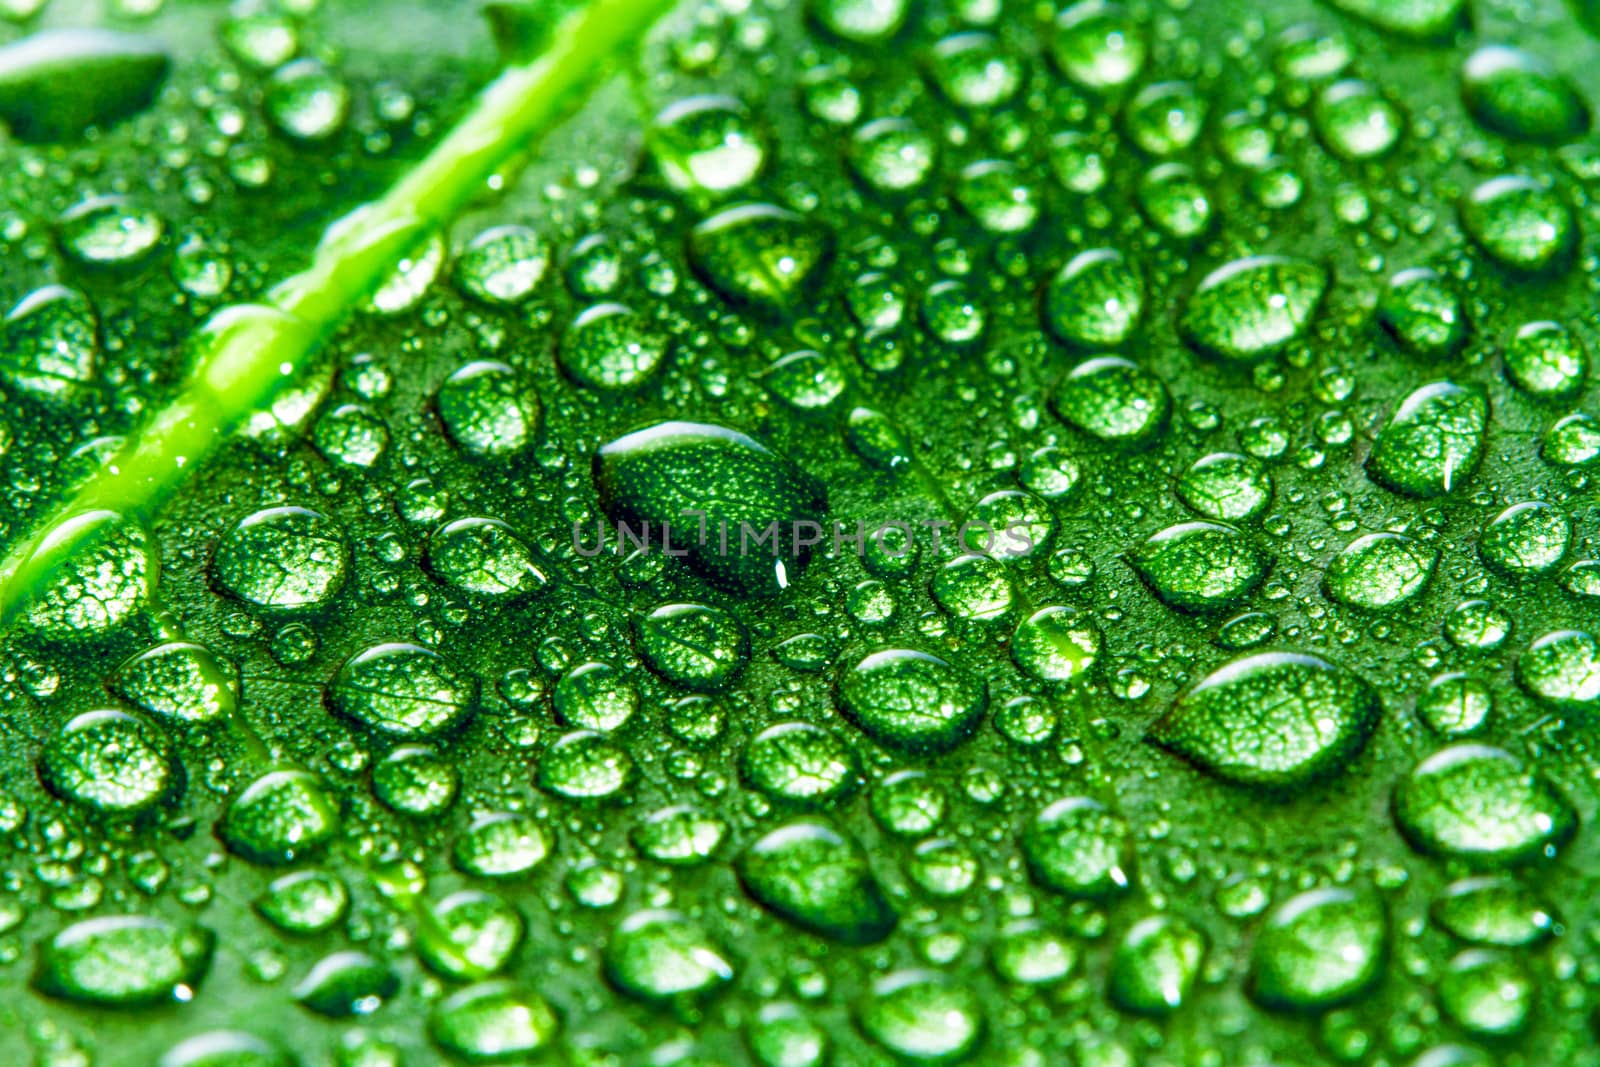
x,y
911,701
1275,720
1482,805
1320,949
1250,308
1200,566
677,474
1432,443
1380,572
125,960
811,875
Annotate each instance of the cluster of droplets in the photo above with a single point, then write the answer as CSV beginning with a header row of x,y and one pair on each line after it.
x,y
1266,701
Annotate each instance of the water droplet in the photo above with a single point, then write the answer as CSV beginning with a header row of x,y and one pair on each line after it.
x,y
1096,300
284,558
1275,719
1379,572
911,701
403,691
1250,308
1319,950
665,481
1520,224
1114,401
1482,805
489,410
814,877
1432,443
1520,96
662,956
125,960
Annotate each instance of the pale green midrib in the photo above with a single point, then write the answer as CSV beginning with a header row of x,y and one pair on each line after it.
x,y
246,353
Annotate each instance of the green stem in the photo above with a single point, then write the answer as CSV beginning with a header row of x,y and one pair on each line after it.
x,y
246,353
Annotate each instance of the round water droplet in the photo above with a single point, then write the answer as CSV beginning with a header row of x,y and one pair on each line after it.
x,y
503,265
1175,201
346,983
306,902
125,960
1520,96
1526,539
923,1018
694,646
502,845
999,196
760,255
50,343
1574,441
610,346
800,764
489,410
1200,566
693,477
1487,992
1562,669
812,876
1226,486
892,155
1422,20
781,1036
1115,402
307,102
1079,848
417,781
585,765
1520,224
1096,300
109,761
1494,910
1546,360
679,836
1455,705
860,21
225,1048
662,956
1165,118
1156,965
403,691
279,818
109,231
470,936
805,380
1422,312
1379,572
1099,45
1275,719
973,70
493,1021
1432,443
486,558
178,681
103,582
707,146
1248,309
1056,644
1482,805
911,701
595,696
974,588
1028,953
1319,950
285,558
1355,121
